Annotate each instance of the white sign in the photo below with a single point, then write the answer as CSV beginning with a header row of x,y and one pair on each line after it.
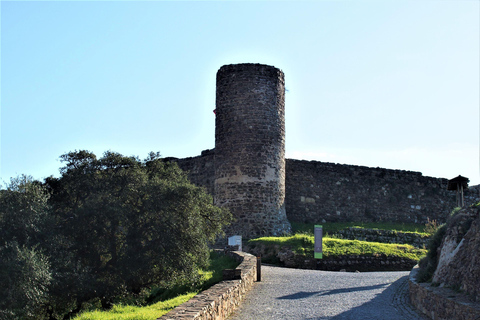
x,y
235,240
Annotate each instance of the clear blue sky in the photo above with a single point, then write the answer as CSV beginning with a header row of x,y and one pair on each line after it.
x,y
391,84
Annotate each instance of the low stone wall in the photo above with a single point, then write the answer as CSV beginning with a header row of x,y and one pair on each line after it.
x,y
384,236
349,263
441,303
284,256
221,299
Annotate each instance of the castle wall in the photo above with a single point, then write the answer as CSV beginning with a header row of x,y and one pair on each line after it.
x,y
247,171
201,170
319,192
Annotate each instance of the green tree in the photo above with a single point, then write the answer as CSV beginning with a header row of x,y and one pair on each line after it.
x,y
23,211
125,224
24,270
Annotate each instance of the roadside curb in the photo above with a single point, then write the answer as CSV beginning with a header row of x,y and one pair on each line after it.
x,y
439,302
221,299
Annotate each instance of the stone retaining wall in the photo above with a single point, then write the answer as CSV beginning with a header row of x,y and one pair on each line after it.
x,y
441,303
350,263
221,299
284,256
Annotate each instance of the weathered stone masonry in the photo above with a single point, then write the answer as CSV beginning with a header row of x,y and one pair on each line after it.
x,y
247,171
250,148
319,191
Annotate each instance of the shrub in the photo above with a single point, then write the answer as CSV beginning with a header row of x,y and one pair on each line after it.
x,y
429,263
125,224
431,226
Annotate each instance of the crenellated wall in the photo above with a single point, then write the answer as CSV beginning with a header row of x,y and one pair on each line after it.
x,y
319,192
247,171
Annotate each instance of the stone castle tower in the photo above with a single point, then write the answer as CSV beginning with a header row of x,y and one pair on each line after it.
x,y
250,148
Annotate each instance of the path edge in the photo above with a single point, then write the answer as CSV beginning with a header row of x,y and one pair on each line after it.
x,y
221,299
440,302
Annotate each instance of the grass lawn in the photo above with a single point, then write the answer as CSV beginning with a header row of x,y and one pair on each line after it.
x,y
151,312
303,244
169,297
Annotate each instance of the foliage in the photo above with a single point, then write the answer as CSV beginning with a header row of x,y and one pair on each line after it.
x,y
23,211
455,211
207,277
429,263
129,312
431,226
24,279
162,300
303,244
104,231
24,270
123,224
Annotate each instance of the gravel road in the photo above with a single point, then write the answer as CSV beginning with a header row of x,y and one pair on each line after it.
x,y
310,294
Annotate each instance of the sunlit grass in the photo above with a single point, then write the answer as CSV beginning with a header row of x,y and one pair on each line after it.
x,y
120,312
303,244
169,297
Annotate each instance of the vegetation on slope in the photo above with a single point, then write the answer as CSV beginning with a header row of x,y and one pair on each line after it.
x,y
303,244
429,263
161,300
106,229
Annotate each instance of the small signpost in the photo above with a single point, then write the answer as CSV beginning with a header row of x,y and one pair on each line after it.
x,y
318,232
235,241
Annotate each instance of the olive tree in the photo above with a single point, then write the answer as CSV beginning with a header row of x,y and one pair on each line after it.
x,y
124,224
24,269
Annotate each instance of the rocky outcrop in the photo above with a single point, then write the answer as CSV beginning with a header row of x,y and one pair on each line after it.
x,y
459,254
454,292
441,303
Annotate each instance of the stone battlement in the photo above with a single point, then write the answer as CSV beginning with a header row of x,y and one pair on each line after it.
x,y
247,171
319,192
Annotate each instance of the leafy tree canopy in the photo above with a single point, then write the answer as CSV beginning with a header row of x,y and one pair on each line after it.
x,y
24,270
122,224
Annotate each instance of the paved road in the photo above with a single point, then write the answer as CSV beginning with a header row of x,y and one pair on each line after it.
x,y
309,294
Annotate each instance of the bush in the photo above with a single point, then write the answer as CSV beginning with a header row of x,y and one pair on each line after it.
x,y
431,226
162,299
24,270
24,278
124,224
429,263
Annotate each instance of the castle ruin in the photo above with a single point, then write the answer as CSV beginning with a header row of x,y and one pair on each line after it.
x,y
247,171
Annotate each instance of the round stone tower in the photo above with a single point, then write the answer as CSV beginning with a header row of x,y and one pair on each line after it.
x,y
250,149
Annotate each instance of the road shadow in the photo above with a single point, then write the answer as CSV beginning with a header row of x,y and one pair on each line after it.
x,y
303,294
392,304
